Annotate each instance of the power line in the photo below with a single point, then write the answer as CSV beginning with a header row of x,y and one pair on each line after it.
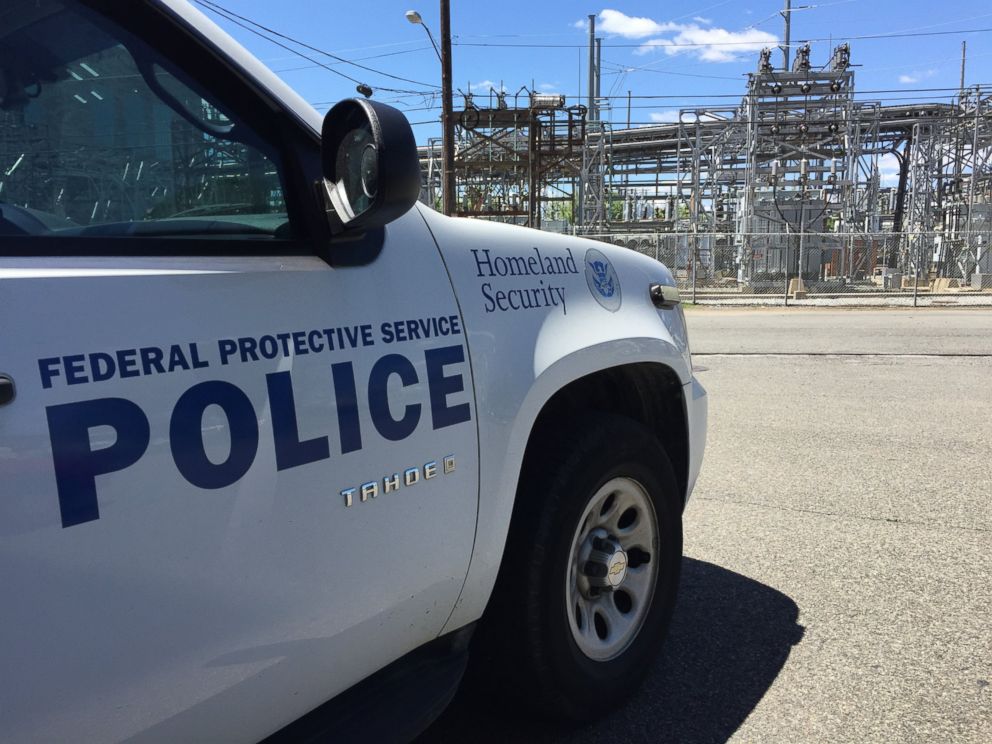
x,y
288,48
710,98
871,95
374,56
237,20
941,23
428,95
953,90
737,43
269,61
695,13
221,10
694,102
622,69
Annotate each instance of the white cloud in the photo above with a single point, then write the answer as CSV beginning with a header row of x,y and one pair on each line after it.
x,y
711,44
548,87
615,23
699,38
485,85
916,76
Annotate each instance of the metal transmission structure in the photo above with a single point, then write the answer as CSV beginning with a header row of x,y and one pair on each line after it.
x,y
925,149
948,217
972,199
746,183
515,163
594,182
785,184
803,151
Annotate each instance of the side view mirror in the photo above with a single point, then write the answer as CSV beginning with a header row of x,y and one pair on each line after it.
x,y
370,165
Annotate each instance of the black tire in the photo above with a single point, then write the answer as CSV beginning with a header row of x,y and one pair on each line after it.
x,y
528,645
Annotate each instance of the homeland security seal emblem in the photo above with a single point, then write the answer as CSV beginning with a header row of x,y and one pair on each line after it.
x,y
602,280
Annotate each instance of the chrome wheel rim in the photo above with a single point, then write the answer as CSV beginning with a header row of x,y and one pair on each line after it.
x,y
612,569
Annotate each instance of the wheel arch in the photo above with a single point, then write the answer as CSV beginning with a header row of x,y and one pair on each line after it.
x,y
650,393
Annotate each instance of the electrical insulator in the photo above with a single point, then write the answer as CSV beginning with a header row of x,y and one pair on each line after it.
x,y
765,61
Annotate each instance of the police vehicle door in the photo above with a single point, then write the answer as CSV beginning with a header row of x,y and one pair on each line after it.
x,y
235,479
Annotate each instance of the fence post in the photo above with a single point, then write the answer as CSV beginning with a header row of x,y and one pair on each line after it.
x,y
657,248
802,234
695,259
787,252
916,273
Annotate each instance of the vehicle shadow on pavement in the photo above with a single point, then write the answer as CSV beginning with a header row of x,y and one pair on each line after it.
x,y
729,639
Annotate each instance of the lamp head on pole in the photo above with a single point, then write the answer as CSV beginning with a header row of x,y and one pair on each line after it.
x,y
413,16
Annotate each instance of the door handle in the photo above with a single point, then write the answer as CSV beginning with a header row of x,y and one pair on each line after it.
x,y
6,390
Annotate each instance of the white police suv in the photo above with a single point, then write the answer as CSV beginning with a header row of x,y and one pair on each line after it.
x,y
280,448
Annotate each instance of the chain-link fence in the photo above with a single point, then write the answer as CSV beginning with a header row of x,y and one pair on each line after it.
x,y
822,268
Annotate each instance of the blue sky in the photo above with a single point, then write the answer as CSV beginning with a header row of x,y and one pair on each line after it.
x,y
651,49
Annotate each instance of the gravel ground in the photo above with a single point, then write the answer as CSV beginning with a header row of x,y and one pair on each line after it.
x,y
836,586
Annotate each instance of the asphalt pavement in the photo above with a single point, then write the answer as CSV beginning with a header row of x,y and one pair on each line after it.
x,y
837,585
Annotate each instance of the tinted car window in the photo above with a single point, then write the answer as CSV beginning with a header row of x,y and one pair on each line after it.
x,y
101,136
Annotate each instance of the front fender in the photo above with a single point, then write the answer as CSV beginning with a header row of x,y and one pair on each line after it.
x,y
505,446
522,355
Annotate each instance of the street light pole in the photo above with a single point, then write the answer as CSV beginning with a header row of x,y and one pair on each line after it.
x,y
447,114
447,106
414,17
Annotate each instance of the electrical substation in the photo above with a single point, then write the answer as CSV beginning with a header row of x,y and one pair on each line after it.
x,y
785,182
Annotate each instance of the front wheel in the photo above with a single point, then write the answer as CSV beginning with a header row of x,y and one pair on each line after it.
x,y
589,577
611,577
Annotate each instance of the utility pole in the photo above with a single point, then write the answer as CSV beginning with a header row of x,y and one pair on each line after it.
x,y
599,72
447,113
592,67
974,172
787,15
628,109
964,56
